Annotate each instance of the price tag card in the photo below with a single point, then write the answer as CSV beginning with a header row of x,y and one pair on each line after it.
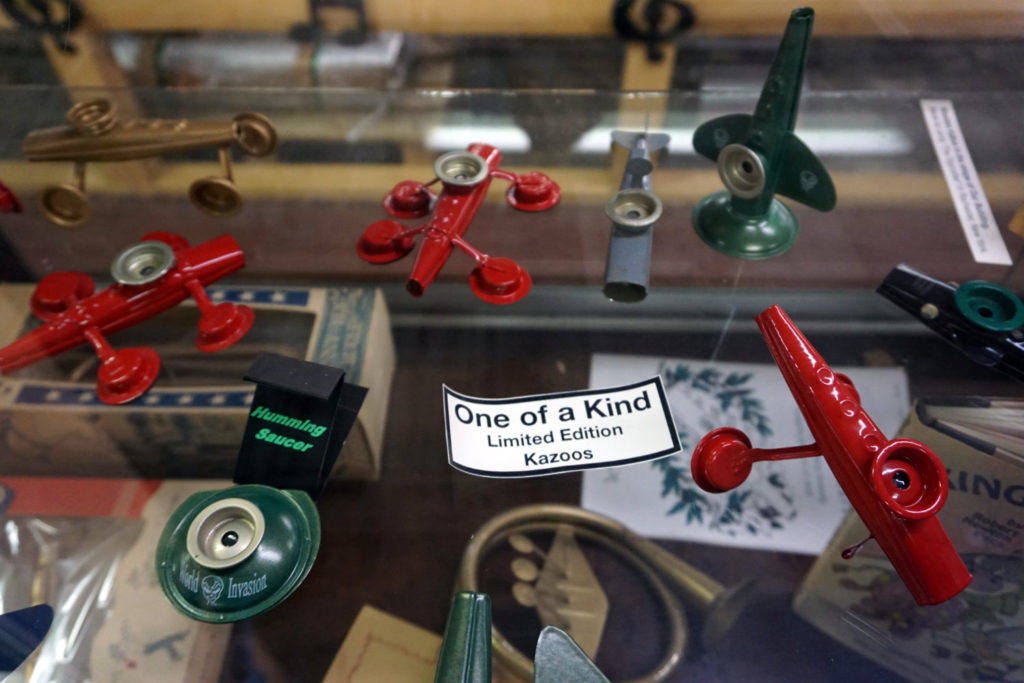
x,y
530,436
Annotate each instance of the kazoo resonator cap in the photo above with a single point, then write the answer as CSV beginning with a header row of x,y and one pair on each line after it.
x,y
233,553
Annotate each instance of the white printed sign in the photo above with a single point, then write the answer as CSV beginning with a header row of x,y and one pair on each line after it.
x,y
972,207
529,436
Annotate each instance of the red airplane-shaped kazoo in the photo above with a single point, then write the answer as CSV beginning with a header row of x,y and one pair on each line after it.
x,y
465,177
896,486
152,276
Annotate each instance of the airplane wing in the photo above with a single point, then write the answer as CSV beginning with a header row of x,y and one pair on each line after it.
x,y
803,177
558,658
655,141
625,138
711,136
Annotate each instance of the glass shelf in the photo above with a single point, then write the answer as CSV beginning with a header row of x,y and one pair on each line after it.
x,y
395,543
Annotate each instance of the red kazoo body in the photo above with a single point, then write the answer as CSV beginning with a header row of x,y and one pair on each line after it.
x,y
863,460
121,306
454,211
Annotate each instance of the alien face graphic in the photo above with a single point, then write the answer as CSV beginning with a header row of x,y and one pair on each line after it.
x,y
213,586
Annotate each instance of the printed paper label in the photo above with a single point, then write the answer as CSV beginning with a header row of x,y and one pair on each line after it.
x,y
530,436
972,207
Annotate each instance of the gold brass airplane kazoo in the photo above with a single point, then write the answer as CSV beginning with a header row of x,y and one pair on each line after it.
x,y
94,133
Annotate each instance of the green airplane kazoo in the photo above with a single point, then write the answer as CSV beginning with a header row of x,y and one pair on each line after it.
x,y
758,157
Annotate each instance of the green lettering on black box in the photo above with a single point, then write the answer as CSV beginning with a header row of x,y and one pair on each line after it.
x,y
300,416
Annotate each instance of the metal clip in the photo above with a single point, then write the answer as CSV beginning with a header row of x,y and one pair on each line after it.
x,y
35,15
313,30
654,14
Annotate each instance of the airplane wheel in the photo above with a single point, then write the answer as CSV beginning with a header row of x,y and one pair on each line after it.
x,y
634,208
215,196
127,375
255,134
909,478
500,281
379,243
142,263
533,191
409,199
65,205
223,326
721,461
56,291
93,117
990,306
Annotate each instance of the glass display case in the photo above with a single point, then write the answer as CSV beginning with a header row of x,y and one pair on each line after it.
x,y
352,119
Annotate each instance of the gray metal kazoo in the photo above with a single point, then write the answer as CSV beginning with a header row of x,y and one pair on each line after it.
x,y
633,210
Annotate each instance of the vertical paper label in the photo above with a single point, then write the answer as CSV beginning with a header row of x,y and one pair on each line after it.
x,y
972,207
528,436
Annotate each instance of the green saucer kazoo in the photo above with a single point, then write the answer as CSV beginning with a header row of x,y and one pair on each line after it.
x,y
234,553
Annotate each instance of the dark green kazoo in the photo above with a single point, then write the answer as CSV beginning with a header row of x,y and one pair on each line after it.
x,y
234,553
465,655
758,157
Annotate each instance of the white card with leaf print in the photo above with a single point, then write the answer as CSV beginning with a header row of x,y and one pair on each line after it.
x,y
788,506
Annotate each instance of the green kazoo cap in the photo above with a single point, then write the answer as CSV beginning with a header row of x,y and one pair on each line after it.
x,y
233,553
990,306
